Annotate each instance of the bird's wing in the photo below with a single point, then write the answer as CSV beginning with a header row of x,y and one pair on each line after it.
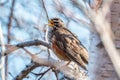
x,y
72,47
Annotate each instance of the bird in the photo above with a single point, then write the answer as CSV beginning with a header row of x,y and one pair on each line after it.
x,y
65,44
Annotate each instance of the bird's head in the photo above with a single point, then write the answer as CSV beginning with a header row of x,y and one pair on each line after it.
x,y
55,22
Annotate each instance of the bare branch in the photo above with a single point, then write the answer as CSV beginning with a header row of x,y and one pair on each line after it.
x,y
46,32
68,71
60,66
42,74
45,9
80,6
9,27
46,39
11,75
10,19
56,74
11,48
34,42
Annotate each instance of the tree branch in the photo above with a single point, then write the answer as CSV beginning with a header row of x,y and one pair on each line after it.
x,y
45,9
103,27
10,19
42,74
34,42
11,48
68,71
9,36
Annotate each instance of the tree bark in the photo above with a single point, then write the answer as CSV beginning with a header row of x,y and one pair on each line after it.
x,y
101,65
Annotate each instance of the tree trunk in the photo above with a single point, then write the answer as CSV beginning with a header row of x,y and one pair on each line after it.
x,y
101,67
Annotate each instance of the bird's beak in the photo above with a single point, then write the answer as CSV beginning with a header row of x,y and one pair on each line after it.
x,y
50,23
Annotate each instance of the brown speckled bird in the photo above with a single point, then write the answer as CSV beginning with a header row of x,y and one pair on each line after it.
x,y
65,44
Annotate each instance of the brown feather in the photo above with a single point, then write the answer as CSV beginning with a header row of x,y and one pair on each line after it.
x,y
68,43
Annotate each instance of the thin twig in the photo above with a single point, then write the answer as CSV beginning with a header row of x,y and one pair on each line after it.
x,y
46,39
46,33
9,27
11,75
68,22
56,73
41,74
26,71
45,9
42,67
10,19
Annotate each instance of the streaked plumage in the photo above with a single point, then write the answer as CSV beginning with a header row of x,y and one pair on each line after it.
x,y
66,45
